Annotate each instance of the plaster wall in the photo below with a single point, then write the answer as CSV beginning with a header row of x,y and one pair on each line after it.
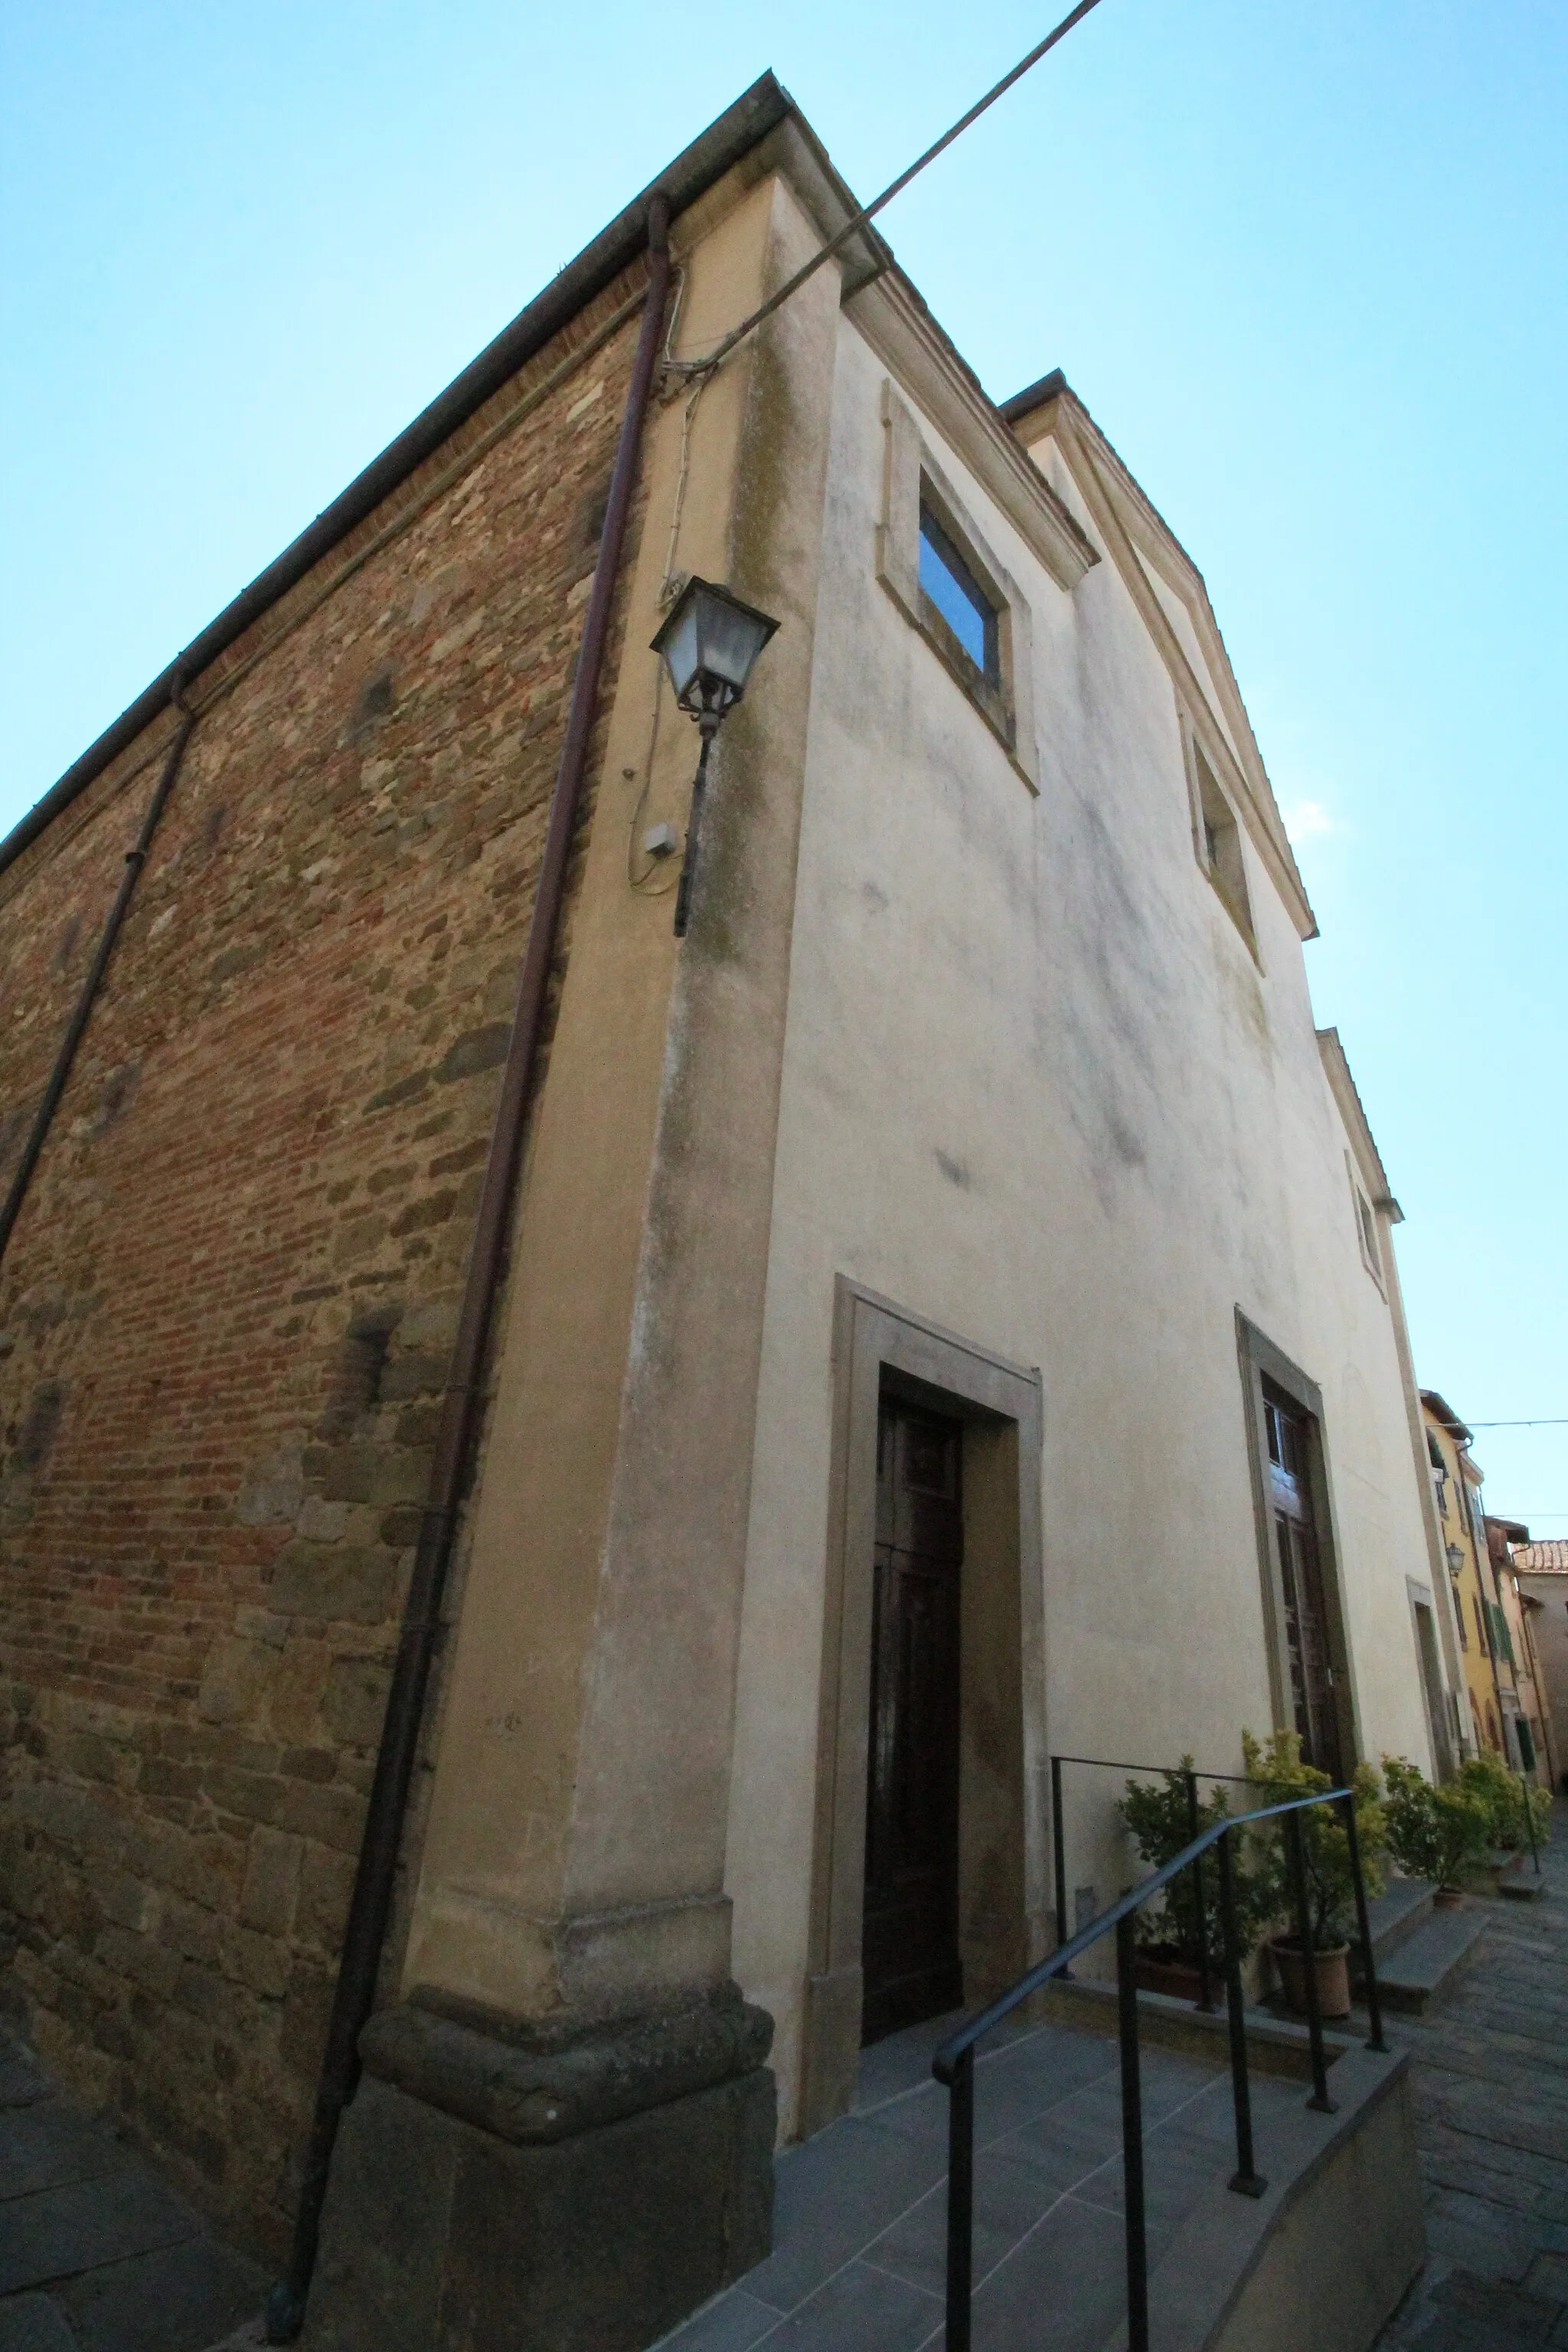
x,y
1037,1089
1549,1627
575,1854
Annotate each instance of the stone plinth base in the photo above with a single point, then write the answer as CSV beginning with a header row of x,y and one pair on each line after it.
x,y
498,2191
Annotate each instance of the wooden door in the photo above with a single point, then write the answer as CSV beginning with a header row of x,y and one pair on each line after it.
x,y
910,1943
1302,1582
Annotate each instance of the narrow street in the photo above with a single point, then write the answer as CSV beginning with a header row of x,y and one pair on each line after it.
x,y
1492,2099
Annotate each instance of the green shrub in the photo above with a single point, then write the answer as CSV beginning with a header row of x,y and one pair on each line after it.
x,y
1160,1826
1434,1833
1276,1768
1503,1796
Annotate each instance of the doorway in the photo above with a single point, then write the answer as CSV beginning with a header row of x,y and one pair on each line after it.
x,y
911,1960
1432,1682
935,1499
1288,1431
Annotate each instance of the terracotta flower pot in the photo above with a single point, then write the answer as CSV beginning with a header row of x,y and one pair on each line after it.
x,y
1176,1978
1449,1898
1330,1965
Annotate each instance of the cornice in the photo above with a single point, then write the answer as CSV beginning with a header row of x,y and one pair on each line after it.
x,y
1353,1112
920,359
1131,526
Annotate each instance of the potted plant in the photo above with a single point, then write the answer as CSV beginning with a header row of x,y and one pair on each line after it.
x,y
1279,1775
1503,1796
1435,1834
1170,1949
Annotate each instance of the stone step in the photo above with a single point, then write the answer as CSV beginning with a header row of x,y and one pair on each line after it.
x,y
1396,1913
1519,1879
1420,1967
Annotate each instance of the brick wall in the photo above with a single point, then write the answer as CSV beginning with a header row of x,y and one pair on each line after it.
x,y
227,1310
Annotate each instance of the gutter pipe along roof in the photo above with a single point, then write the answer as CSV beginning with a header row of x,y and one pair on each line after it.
x,y
736,131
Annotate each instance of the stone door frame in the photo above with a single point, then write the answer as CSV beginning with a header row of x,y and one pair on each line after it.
x,y
1004,1809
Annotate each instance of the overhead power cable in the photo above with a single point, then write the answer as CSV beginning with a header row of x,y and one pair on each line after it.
x,y
868,212
1560,1423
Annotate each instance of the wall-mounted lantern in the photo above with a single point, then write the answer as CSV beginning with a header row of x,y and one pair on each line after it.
x,y
1456,1559
709,642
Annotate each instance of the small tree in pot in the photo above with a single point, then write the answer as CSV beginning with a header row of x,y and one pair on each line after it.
x,y
1170,1948
1279,1776
1434,1832
1505,1796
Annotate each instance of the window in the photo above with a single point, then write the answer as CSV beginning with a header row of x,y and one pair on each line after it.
x,y
1218,840
935,563
1366,1225
960,602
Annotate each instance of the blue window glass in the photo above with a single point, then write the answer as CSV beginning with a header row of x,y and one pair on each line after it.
x,y
958,596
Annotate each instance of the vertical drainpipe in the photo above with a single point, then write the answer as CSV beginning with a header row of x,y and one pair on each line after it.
x,y
370,1907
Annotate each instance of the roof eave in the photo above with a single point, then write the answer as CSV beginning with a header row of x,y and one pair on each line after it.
x,y
758,111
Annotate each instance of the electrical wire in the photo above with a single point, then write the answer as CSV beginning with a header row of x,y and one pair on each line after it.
x,y
1560,1423
868,212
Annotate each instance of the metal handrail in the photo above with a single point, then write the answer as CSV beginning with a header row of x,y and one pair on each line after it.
x,y
954,2063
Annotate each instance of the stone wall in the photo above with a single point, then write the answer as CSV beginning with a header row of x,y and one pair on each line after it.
x,y
227,1310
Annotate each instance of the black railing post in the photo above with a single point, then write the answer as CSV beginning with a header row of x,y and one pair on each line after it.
x,y
1364,1928
1320,2098
1530,1823
1205,1998
1058,1851
1247,2179
959,2201
1131,2140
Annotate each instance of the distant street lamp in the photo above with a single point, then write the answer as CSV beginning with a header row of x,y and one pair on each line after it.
x,y
708,642
1456,1559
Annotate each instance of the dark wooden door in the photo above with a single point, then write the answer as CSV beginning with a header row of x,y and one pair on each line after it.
x,y
909,1945
1302,1581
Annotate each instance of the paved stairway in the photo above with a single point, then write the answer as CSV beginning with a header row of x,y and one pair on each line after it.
x,y
1491,2104
861,2209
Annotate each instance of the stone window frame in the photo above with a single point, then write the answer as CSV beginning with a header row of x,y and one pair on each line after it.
x,y
912,476
1211,810
880,1346
1366,1225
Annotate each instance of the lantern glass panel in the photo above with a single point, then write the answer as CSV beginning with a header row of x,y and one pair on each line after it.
x,y
681,649
731,641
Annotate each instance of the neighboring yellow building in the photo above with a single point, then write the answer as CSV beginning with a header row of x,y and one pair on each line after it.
x,y
1457,1489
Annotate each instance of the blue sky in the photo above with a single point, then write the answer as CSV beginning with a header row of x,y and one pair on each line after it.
x,y
1305,264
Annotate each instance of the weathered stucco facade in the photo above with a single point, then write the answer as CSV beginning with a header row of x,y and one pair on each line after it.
x,y
986,1078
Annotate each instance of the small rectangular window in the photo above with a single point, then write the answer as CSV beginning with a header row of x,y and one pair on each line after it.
x,y
1219,843
1367,1224
959,598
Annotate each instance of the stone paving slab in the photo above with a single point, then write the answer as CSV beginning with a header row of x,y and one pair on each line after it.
x,y
1492,2120
97,2254
1430,1960
860,2222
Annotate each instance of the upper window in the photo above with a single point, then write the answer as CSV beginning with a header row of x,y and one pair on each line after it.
x,y
936,562
960,600
1366,1226
1217,837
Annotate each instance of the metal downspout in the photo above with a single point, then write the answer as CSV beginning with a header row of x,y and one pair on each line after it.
x,y
370,1907
135,859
